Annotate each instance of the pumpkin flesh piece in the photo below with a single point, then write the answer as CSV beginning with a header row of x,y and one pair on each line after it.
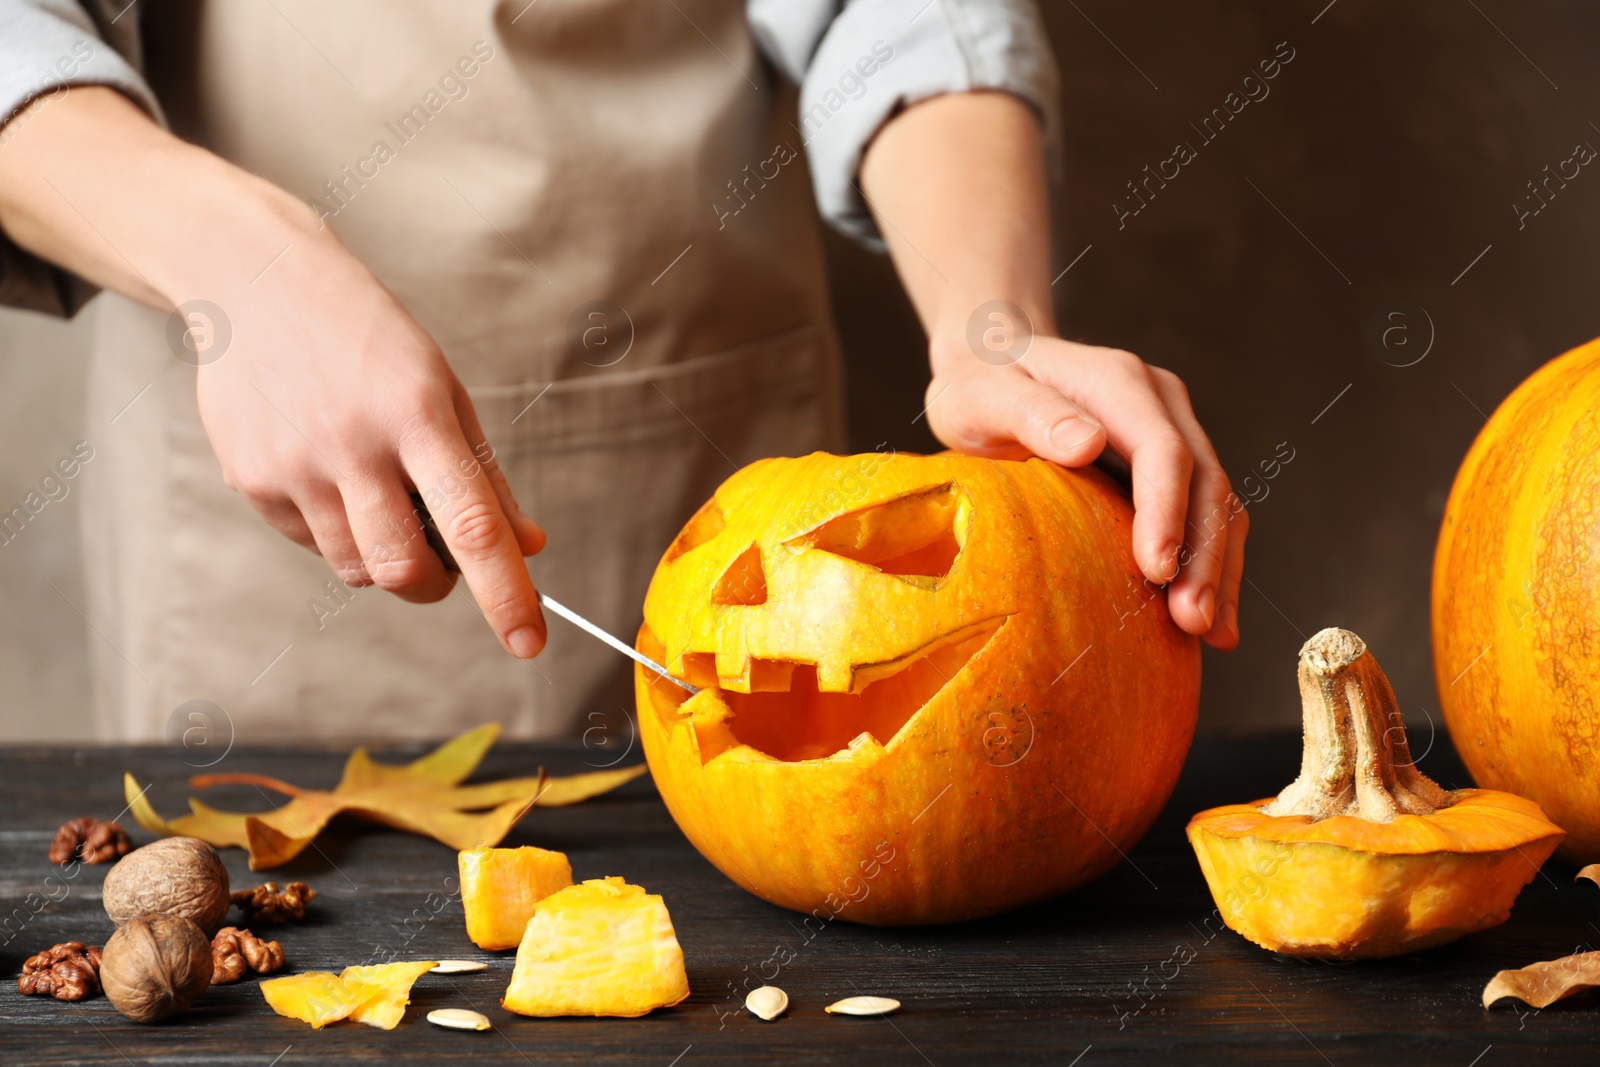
x,y
501,886
599,948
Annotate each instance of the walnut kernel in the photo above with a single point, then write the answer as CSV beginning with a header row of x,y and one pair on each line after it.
x,y
235,951
68,971
90,840
266,903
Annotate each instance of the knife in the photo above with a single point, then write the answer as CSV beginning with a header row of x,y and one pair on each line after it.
x,y
627,650
430,530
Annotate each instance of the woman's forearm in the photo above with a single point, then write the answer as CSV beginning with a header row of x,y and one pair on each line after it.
x,y
331,405
89,182
957,184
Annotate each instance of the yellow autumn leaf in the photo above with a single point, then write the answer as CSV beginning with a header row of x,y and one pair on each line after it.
x,y
423,797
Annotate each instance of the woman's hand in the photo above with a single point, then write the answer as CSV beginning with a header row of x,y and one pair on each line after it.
x,y
957,186
330,405
1070,402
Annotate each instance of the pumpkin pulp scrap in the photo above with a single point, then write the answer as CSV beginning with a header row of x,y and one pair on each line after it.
x,y
375,994
1363,855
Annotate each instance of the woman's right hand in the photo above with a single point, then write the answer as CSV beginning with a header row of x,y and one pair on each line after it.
x,y
330,404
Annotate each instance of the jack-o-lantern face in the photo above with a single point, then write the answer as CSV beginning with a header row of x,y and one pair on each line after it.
x,y
871,632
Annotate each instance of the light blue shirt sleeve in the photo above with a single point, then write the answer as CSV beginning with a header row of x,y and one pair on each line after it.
x,y
46,47
858,62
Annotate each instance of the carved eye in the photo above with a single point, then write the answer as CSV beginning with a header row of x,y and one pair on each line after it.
x,y
744,582
910,537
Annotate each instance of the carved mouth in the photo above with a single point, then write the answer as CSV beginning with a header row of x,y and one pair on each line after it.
x,y
787,718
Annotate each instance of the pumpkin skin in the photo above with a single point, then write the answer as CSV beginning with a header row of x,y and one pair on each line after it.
x,y
1516,599
935,687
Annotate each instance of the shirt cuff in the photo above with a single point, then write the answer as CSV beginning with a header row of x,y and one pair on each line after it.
x,y
879,56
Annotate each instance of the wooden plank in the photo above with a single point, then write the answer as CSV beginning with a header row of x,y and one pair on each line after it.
x,y
1039,986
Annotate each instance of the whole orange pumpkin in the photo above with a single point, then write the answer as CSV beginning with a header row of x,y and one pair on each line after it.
x,y
1516,599
935,687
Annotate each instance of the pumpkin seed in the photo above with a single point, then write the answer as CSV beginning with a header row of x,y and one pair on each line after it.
x,y
862,1006
458,1019
458,967
767,1003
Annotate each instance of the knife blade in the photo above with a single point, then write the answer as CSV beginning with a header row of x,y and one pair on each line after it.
x,y
436,542
627,650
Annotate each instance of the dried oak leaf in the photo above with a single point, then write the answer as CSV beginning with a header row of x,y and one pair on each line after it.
x,y
1542,984
68,971
91,840
424,797
234,951
266,903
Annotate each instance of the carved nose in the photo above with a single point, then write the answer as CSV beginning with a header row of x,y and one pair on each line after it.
x,y
744,582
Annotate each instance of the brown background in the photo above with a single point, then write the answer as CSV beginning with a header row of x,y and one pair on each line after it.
x,y
1396,141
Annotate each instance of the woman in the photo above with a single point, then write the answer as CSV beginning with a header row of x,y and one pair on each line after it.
x,y
559,251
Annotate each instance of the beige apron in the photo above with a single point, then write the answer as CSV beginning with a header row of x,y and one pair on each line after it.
x,y
579,162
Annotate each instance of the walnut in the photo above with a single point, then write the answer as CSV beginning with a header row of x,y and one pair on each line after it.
x,y
155,966
173,876
234,951
266,903
68,971
91,840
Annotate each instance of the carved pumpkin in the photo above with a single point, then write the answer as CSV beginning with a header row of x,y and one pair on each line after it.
x,y
1516,599
1363,855
935,687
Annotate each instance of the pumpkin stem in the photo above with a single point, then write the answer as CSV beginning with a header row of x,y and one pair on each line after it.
x,y
1356,760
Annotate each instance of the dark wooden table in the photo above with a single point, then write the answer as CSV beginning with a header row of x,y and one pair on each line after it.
x,y
1126,970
